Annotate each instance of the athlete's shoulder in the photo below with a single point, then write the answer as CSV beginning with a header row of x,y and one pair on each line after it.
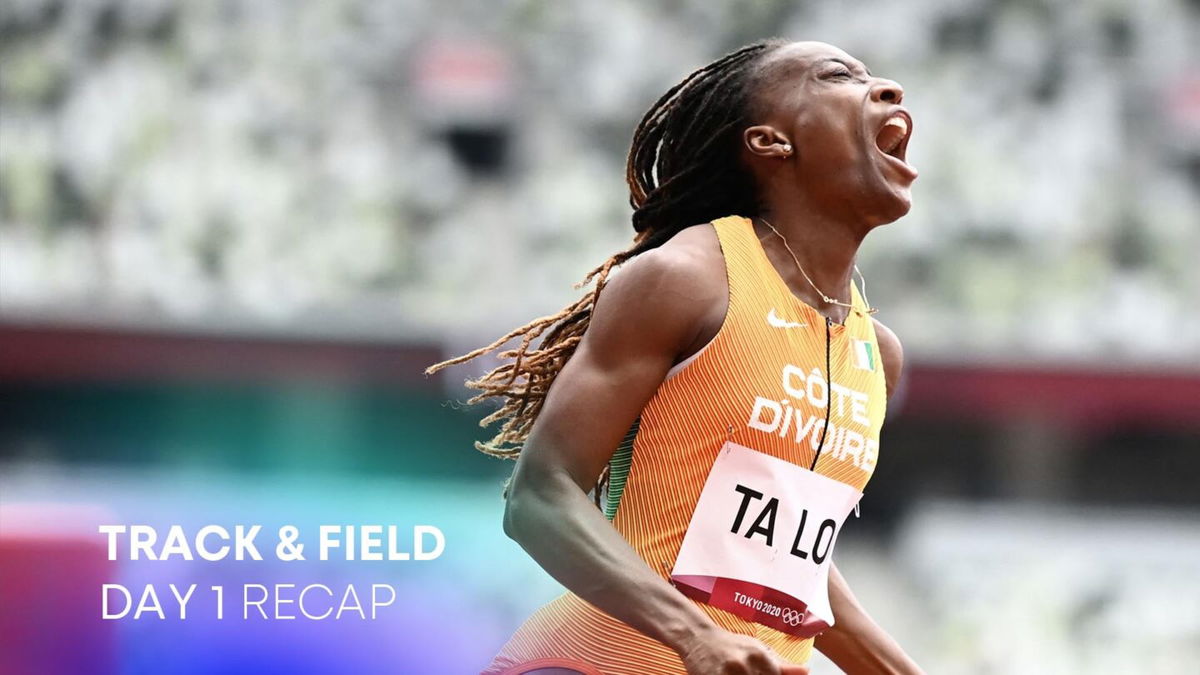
x,y
688,266
892,353
693,251
670,293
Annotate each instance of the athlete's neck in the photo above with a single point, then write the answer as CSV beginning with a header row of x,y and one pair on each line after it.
x,y
824,247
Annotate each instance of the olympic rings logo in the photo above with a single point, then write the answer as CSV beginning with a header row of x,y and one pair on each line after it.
x,y
792,617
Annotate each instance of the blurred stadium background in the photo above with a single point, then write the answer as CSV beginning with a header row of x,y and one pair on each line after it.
x,y
232,233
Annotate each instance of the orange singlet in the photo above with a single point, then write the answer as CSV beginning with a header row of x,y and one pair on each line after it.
x,y
761,383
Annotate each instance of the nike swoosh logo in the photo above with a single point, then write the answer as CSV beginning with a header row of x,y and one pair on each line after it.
x,y
775,321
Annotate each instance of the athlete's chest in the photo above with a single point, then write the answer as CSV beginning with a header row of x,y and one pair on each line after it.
x,y
818,396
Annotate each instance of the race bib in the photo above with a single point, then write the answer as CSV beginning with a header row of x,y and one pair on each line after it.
x,y
761,540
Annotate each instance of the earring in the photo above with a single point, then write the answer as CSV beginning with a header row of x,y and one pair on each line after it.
x,y
787,148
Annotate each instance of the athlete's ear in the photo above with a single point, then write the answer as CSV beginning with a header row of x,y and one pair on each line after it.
x,y
767,141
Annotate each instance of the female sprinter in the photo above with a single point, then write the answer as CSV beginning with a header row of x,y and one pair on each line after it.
x,y
721,397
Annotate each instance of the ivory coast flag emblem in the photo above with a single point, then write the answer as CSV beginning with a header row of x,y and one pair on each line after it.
x,y
865,357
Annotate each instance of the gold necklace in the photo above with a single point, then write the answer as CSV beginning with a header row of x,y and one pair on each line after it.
x,y
832,301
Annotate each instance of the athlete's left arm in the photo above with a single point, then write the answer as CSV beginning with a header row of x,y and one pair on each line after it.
x,y
855,642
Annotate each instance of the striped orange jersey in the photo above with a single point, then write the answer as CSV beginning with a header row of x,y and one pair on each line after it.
x,y
761,383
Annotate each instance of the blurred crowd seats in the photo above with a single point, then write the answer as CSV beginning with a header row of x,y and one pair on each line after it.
x,y
401,168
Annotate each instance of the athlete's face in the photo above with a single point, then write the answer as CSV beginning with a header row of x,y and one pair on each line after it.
x,y
847,130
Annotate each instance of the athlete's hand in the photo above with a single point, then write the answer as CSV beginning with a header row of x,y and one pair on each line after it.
x,y
719,652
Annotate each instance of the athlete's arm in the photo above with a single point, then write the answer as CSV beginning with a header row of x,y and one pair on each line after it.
x,y
651,313
855,642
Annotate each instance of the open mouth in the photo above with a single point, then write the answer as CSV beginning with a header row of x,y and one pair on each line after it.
x,y
892,139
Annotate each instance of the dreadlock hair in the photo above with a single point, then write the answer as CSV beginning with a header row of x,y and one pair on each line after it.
x,y
683,169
